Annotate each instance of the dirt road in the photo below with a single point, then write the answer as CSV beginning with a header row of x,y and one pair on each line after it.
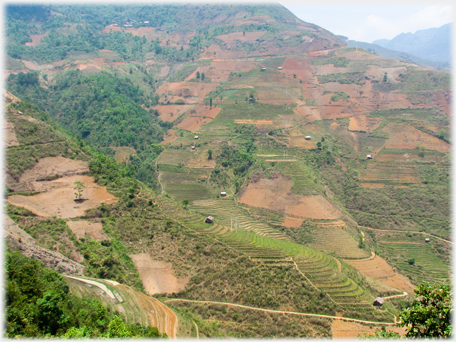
x,y
283,312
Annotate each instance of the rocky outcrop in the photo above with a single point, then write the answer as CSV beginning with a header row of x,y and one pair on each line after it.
x,y
17,239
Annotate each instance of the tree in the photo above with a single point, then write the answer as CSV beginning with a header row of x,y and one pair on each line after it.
x,y
429,315
210,101
197,74
209,154
79,187
185,203
203,76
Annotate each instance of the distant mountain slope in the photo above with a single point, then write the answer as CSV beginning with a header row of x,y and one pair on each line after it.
x,y
383,52
433,44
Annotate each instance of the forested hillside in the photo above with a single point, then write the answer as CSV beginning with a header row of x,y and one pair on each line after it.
x,y
250,172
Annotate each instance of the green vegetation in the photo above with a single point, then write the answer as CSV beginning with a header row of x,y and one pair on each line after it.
x,y
38,304
428,316
103,110
342,78
340,62
340,95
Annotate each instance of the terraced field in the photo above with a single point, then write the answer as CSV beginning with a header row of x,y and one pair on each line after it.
x,y
303,180
323,271
426,266
224,209
333,237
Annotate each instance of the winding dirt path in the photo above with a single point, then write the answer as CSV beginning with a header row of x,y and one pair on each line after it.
x,y
282,312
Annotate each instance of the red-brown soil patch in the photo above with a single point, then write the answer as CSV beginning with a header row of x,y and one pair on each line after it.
x,y
9,135
379,269
176,91
293,222
275,194
170,137
36,38
302,69
220,70
403,135
311,113
52,166
123,153
192,124
171,112
362,123
92,229
157,276
203,110
58,198
350,330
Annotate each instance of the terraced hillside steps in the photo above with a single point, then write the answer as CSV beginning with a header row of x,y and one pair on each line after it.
x,y
224,209
322,270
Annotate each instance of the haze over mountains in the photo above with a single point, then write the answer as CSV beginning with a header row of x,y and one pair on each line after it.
x,y
433,44
251,171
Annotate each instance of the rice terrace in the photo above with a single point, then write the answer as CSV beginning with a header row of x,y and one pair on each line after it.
x,y
219,171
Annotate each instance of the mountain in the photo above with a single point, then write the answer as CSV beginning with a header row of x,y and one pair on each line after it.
x,y
252,172
381,51
433,44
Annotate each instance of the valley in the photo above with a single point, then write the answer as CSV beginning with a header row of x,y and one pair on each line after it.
x,y
244,175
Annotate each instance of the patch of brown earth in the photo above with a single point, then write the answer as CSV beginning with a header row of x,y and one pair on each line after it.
x,y
192,124
83,228
9,135
206,111
170,137
58,198
177,91
157,276
293,222
379,269
362,123
36,38
52,166
275,194
171,112
350,330
123,153
403,135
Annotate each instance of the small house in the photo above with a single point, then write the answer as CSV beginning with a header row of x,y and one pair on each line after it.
x,y
378,301
223,194
193,148
280,68
209,219
196,137
263,69
427,240
369,156
308,137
